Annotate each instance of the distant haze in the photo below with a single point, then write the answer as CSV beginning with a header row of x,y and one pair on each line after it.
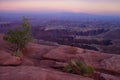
x,y
77,6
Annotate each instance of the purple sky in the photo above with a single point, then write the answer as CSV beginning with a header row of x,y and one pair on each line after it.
x,y
86,6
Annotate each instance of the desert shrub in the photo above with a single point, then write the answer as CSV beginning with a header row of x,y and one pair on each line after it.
x,y
19,37
72,66
87,70
78,67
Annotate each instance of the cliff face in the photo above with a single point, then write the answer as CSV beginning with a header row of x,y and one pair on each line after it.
x,y
43,62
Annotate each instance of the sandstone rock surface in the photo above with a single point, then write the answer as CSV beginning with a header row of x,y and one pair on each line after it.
x,y
7,59
36,73
44,62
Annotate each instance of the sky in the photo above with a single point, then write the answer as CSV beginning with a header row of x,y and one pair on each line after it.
x,y
76,6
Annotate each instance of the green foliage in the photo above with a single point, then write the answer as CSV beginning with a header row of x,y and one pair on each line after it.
x,y
20,36
87,70
27,29
78,67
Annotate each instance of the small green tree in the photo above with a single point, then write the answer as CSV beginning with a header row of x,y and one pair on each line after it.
x,y
20,37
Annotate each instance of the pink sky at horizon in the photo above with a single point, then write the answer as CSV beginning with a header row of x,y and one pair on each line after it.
x,y
87,6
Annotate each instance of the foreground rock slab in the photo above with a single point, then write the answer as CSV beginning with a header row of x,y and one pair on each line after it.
x,y
7,59
36,73
45,62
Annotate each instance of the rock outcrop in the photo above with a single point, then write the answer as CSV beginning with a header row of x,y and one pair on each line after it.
x,y
7,59
44,62
36,73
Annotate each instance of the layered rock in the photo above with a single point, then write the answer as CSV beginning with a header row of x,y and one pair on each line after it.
x,y
36,73
44,62
7,59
